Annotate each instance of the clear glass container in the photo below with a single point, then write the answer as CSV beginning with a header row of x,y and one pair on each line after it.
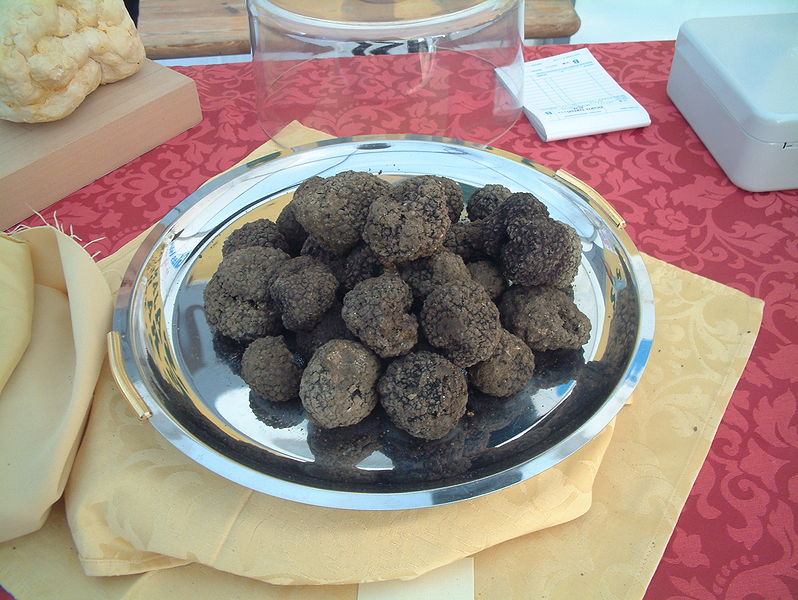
x,y
449,68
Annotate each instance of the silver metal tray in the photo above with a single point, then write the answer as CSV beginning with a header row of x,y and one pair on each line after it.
x,y
184,380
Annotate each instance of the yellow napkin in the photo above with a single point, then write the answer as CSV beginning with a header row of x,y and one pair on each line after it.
x,y
705,332
704,335
16,304
54,310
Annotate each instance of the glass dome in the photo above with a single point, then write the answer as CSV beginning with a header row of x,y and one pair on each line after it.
x,y
450,68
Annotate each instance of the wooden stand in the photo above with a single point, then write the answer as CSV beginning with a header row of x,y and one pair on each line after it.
x,y
41,163
185,28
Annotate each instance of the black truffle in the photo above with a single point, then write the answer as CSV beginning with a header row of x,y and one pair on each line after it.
x,y
521,205
338,385
330,327
360,264
426,274
424,394
261,232
334,209
489,276
484,201
409,222
461,320
334,262
518,207
248,272
268,368
541,251
507,371
286,222
545,317
237,318
375,310
450,189
466,240
303,290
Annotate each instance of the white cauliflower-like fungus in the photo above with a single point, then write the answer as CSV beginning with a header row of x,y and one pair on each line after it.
x,y
54,53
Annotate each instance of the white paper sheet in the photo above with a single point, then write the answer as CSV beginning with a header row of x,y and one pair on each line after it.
x,y
571,95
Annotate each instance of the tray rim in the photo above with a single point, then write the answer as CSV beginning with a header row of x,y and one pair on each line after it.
x,y
136,393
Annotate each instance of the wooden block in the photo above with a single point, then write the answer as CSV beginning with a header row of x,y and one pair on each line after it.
x,y
185,28
41,163
547,19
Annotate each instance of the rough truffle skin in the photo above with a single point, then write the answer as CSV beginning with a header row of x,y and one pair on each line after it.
x,y
451,190
507,371
248,272
521,205
360,264
236,318
461,320
292,231
518,207
489,276
426,274
541,251
484,201
303,290
330,327
424,394
466,240
261,232
334,262
338,387
545,317
334,209
268,368
408,223
375,310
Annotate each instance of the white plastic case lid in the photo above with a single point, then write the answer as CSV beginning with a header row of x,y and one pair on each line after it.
x,y
751,64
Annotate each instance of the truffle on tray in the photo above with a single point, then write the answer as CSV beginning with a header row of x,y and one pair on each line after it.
x,y
424,394
408,222
462,321
333,210
376,311
269,369
338,385
389,294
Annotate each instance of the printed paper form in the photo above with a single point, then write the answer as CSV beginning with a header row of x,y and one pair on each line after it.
x,y
570,95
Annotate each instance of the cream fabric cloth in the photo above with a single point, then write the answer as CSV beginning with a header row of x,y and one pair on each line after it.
x,y
54,310
705,332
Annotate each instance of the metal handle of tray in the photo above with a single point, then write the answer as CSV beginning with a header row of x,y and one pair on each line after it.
x,y
123,382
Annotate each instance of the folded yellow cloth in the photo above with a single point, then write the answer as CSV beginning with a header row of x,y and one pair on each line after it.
x,y
54,310
705,332
16,303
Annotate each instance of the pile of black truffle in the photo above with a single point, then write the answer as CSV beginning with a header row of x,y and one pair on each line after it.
x,y
390,297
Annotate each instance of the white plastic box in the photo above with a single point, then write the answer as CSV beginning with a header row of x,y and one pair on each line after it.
x,y
735,80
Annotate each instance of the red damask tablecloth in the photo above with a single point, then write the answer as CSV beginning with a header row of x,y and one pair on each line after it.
x,y
737,535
